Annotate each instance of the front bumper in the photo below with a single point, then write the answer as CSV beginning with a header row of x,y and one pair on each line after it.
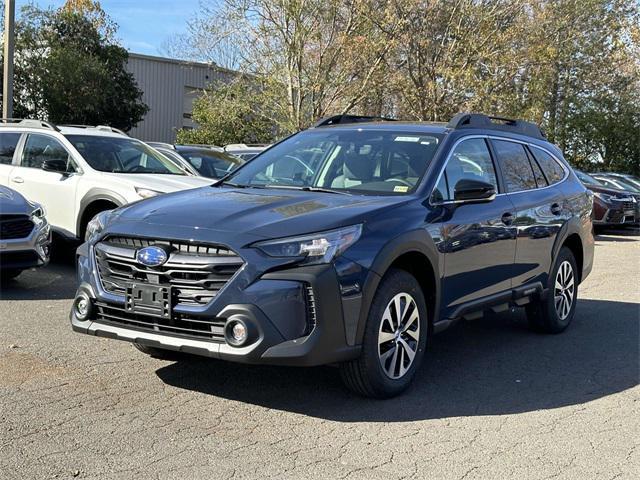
x,y
28,252
616,213
275,307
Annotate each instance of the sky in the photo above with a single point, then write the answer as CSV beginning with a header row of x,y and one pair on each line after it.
x,y
144,25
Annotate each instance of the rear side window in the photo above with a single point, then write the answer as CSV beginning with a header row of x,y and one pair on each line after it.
x,y
469,160
515,166
550,166
8,142
39,148
537,173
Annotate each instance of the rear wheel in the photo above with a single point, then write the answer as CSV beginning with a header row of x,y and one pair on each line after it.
x,y
394,340
555,312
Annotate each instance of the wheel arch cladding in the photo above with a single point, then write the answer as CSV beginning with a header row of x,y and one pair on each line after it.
x,y
93,203
574,243
415,253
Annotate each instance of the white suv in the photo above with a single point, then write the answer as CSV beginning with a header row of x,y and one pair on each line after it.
x,y
75,172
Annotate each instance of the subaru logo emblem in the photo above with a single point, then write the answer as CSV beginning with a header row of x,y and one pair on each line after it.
x,y
151,256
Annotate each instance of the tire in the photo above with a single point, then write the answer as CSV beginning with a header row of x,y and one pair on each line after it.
x,y
370,375
159,353
8,274
553,314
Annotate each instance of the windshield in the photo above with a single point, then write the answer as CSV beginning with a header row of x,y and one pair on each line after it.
x,y
210,163
356,161
588,179
619,184
122,155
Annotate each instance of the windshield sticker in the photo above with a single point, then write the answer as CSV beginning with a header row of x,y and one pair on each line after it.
x,y
400,188
406,139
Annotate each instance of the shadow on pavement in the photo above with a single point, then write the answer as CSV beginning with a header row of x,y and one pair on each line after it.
x,y
55,281
493,366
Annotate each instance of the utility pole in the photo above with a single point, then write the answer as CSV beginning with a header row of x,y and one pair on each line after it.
x,y
9,39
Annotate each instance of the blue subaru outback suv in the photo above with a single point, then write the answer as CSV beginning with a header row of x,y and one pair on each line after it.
x,y
349,243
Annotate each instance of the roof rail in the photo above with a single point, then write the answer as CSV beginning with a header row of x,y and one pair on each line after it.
x,y
103,128
161,145
479,120
28,122
340,119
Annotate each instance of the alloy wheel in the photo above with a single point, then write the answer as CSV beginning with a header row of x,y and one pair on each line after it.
x,y
564,290
399,335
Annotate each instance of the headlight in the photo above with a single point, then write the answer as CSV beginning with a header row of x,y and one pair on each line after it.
x,y
97,224
316,248
605,197
38,215
147,193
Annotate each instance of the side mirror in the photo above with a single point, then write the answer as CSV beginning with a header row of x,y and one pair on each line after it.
x,y
469,190
56,165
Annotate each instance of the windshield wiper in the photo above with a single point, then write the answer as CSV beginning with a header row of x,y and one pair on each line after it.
x,y
306,188
230,184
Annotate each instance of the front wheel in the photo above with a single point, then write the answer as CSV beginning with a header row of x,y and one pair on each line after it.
x,y
554,313
394,340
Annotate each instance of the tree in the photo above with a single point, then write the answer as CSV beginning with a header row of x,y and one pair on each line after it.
x,y
232,113
67,70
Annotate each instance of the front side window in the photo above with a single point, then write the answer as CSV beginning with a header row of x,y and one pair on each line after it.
x,y
353,160
8,143
470,160
122,155
515,166
550,166
41,148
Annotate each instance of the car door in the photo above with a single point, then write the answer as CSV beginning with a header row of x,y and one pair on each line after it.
x,y
477,239
56,191
540,209
8,144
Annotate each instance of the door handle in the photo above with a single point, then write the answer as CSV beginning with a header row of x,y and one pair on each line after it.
x,y
556,209
17,180
507,218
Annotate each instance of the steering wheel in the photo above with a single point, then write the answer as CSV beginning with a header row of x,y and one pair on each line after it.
x,y
399,180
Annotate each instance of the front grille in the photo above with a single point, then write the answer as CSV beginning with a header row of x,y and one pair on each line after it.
x,y
195,272
629,206
15,226
178,325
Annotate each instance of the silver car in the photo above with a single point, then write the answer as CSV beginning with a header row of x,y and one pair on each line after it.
x,y
25,235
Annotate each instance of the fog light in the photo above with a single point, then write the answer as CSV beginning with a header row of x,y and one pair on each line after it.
x,y
82,306
239,332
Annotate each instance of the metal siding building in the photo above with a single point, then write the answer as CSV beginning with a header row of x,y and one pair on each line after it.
x,y
169,87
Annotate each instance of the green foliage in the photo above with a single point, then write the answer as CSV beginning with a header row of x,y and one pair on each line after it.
x,y
572,66
68,71
231,113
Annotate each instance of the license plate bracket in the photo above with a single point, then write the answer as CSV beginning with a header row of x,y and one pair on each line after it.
x,y
154,300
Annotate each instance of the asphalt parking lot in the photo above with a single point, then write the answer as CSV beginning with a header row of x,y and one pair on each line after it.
x,y
493,400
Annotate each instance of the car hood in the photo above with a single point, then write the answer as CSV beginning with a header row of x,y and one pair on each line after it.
x,y
12,203
261,213
161,183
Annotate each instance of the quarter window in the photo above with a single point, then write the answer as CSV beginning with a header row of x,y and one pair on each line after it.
x,y
8,142
550,166
537,173
39,148
469,160
515,166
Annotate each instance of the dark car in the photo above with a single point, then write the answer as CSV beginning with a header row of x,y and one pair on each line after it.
x,y
211,162
25,235
347,244
611,206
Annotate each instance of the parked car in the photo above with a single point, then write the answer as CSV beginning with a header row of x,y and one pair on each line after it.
x,y
25,235
617,182
625,177
611,206
244,151
76,171
347,244
211,162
